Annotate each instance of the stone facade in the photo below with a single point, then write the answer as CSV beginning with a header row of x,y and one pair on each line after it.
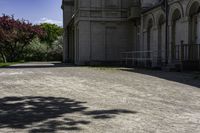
x,y
99,30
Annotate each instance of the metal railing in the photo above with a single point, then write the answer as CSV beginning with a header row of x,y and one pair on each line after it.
x,y
141,58
184,55
188,56
186,52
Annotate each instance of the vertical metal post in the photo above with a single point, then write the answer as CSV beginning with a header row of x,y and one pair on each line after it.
x,y
126,59
182,50
199,55
182,54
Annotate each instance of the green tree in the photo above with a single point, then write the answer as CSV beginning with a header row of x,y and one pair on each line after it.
x,y
15,35
53,32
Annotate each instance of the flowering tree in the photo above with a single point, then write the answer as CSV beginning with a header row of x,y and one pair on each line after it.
x,y
15,35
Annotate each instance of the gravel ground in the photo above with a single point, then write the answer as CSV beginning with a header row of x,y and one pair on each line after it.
x,y
55,99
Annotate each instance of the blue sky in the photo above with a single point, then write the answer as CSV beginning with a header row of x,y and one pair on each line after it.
x,y
36,11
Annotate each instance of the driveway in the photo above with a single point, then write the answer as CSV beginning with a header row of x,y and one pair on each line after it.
x,y
54,98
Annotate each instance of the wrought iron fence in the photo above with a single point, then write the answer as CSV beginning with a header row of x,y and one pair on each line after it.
x,y
187,52
184,55
142,58
188,55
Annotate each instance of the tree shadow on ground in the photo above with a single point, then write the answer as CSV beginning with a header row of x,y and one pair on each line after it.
x,y
107,114
192,79
46,114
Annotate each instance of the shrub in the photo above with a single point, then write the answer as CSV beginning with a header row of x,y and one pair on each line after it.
x,y
36,51
40,51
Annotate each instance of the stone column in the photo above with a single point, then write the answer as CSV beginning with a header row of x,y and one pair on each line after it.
x,y
170,44
198,29
154,46
142,35
67,7
65,47
184,30
84,47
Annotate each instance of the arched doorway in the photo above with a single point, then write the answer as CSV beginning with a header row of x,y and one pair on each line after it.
x,y
193,22
161,38
193,48
175,34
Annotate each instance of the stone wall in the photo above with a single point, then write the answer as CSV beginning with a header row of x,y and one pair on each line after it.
x,y
104,28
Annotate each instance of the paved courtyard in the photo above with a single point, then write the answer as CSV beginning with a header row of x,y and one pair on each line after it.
x,y
48,98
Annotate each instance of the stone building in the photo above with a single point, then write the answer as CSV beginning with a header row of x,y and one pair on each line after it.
x,y
132,31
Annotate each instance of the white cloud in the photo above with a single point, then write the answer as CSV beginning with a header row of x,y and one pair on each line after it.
x,y
51,21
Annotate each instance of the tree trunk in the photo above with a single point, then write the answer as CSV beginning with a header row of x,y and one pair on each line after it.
x,y
3,57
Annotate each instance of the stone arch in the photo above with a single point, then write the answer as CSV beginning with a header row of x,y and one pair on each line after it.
x,y
192,5
193,11
175,17
149,18
174,8
159,17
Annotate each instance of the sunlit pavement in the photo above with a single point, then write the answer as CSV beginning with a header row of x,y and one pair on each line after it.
x,y
52,97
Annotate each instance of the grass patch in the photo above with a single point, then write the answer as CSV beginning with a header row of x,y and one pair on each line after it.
x,y
9,63
6,64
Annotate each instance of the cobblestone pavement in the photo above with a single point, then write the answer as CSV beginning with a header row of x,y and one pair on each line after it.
x,y
57,99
